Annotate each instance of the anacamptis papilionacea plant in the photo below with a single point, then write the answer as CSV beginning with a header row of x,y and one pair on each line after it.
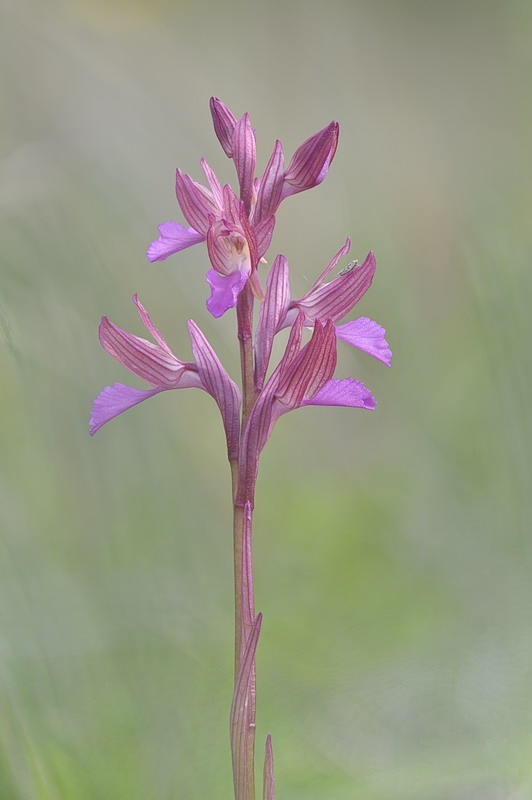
x,y
237,229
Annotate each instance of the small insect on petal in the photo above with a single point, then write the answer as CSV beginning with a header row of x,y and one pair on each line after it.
x,y
349,267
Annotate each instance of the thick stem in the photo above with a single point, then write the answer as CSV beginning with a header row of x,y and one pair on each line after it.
x,y
243,736
244,314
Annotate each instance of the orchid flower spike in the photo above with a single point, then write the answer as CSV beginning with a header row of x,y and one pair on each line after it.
x,y
237,226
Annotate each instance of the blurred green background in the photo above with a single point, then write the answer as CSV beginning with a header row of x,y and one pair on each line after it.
x,y
393,551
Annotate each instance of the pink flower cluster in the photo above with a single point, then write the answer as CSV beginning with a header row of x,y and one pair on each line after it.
x,y
238,231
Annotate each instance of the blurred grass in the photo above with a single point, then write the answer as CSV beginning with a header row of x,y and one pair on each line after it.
x,y
392,549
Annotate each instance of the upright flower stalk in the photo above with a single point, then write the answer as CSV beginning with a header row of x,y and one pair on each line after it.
x,y
237,229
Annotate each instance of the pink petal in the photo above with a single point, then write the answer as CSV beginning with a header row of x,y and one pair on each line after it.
x,y
114,400
174,238
311,161
293,345
219,385
330,266
255,285
224,124
196,202
224,290
264,232
214,183
299,375
230,213
262,418
152,363
309,370
148,324
244,155
368,336
336,299
271,185
272,311
347,392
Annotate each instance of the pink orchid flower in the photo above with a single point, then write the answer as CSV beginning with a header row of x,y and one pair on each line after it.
x,y
324,301
158,366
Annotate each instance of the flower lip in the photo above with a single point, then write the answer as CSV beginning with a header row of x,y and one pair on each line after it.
x,y
224,290
368,336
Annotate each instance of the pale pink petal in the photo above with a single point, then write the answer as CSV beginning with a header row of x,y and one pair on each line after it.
x,y
173,238
224,124
293,345
250,236
224,290
148,324
261,420
231,211
299,375
330,266
368,336
196,202
149,361
264,232
214,183
115,399
255,434
244,155
311,161
266,411
309,370
219,385
346,392
336,299
272,311
255,285
269,193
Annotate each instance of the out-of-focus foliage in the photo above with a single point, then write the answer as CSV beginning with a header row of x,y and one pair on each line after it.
x,y
393,549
